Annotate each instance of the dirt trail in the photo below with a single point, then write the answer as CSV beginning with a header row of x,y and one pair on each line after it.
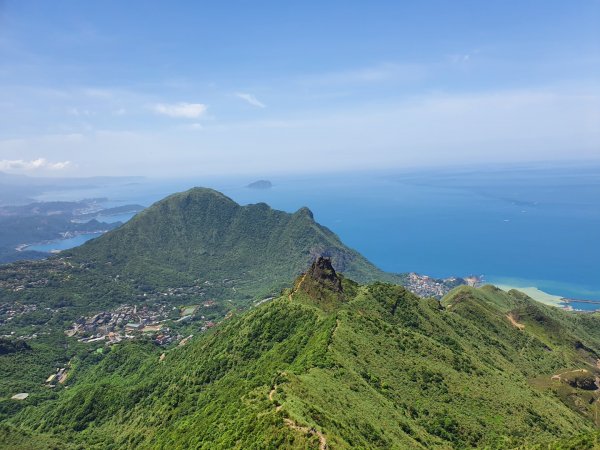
x,y
271,398
294,426
289,422
514,323
297,286
559,375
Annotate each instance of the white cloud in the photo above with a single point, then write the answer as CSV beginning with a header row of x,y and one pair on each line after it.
x,y
458,59
181,110
251,99
550,123
32,165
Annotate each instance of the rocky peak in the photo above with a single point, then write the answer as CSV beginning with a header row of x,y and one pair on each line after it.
x,y
324,274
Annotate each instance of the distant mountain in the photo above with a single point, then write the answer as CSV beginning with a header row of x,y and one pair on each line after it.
x,y
47,221
260,184
203,236
16,189
25,180
333,364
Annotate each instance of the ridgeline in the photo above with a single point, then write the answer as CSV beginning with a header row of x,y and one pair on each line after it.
x,y
333,364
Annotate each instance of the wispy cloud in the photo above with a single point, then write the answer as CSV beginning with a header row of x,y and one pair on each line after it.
x,y
251,99
32,165
181,110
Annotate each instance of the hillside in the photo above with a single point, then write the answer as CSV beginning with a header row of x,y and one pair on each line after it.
x,y
203,235
197,251
334,364
185,249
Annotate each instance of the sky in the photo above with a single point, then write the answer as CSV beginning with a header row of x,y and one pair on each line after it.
x,y
185,88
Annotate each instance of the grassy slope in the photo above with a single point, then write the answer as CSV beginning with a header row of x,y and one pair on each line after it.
x,y
377,368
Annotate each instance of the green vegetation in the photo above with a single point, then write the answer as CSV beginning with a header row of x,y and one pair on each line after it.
x,y
203,235
334,363
199,240
325,363
199,243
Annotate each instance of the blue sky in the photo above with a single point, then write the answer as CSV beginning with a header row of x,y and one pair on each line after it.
x,y
193,88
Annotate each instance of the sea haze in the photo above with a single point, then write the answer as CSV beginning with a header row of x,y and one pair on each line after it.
x,y
523,226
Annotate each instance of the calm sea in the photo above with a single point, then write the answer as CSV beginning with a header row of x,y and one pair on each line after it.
x,y
523,226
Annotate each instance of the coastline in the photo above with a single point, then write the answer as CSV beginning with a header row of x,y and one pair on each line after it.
x,y
71,236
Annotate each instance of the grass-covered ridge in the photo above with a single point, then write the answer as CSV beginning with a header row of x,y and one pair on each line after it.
x,y
335,364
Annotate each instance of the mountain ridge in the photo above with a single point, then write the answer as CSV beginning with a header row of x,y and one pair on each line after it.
x,y
381,369
202,233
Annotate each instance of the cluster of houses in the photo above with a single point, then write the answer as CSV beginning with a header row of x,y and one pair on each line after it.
x,y
425,286
113,326
8,311
26,274
131,321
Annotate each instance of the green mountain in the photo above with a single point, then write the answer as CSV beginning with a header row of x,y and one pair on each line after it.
x,y
185,249
190,249
334,364
203,236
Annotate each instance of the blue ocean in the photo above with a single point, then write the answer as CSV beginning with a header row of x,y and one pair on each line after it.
x,y
523,226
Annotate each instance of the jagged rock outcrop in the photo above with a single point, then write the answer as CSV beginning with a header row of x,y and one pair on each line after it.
x,y
322,272
320,285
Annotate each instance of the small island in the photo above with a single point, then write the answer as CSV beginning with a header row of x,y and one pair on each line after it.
x,y
260,184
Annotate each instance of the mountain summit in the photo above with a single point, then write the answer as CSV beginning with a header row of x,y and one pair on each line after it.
x,y
322,272
321,285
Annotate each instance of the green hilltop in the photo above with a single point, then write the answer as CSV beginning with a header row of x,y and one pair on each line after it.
x,y
335,364
203,235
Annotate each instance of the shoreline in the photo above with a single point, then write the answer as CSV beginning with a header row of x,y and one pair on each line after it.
x,y
557,301
74,234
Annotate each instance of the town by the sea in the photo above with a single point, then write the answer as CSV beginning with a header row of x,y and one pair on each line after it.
x,y
521,226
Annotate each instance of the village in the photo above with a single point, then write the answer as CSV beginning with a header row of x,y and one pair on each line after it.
x,y
9,311
426,286
159,321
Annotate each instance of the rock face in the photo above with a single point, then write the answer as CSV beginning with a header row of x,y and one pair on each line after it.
x,y
585,382
324,274
320,286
